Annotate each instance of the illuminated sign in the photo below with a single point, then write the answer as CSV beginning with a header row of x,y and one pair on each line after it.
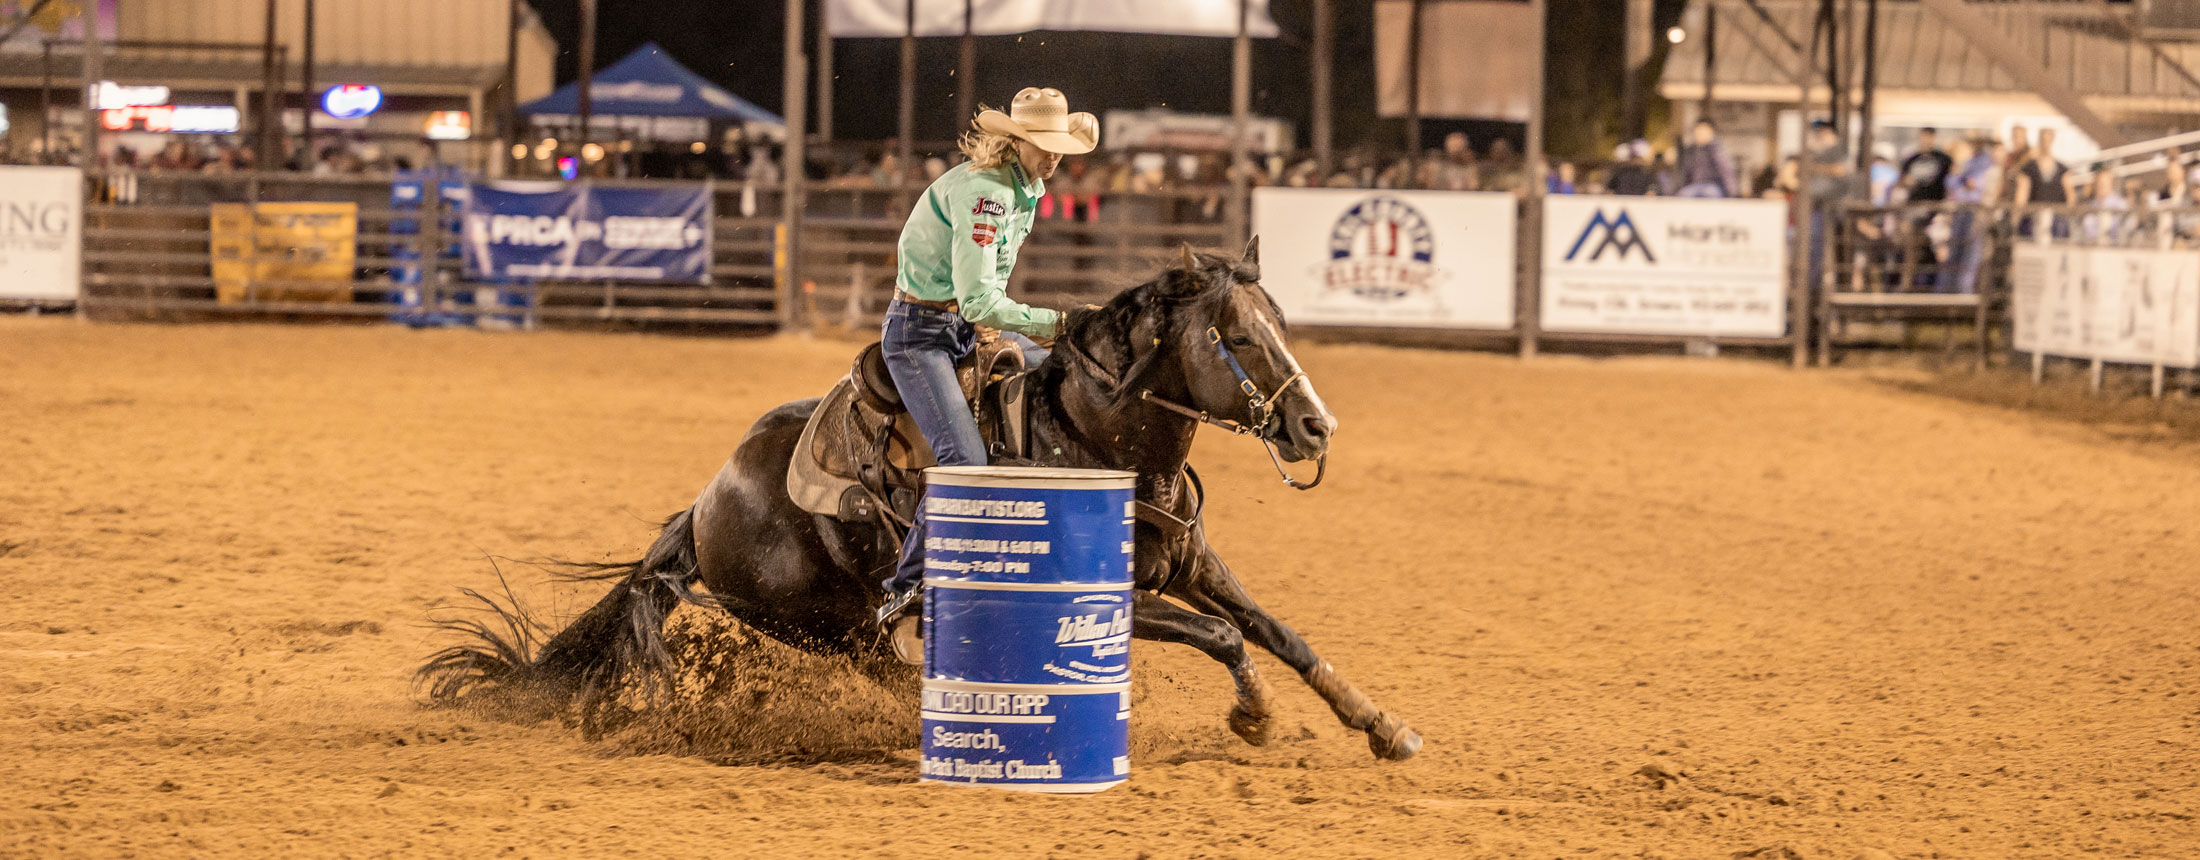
x,y
351,101
450,125
114,95
172,119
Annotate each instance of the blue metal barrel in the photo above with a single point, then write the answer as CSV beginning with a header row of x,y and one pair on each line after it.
x,y
1027,662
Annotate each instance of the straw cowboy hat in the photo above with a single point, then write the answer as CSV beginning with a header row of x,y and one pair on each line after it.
x,y
1042,117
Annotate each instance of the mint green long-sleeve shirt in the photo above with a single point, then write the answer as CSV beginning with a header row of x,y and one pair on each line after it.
x,y
961,240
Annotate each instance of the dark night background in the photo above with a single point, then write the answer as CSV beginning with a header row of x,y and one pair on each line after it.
x,y
738,44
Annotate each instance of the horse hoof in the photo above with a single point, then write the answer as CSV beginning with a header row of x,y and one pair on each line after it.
x,y
1393,741
1251,727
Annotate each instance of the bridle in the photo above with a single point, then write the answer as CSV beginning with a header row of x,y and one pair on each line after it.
x,y
1260,408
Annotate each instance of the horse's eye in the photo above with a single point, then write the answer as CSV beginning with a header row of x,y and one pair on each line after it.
x,y
1241,341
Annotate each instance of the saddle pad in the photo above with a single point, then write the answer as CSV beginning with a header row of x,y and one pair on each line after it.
x,y
823,467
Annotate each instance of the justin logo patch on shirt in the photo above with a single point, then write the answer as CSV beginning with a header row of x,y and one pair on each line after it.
x,y
989,207
984,234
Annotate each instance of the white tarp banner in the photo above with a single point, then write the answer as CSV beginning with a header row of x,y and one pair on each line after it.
x,y
41,232
1008,17
1434,259
1494,79
2125,305
1664,266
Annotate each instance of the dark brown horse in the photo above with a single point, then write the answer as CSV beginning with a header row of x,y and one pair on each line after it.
x,y
1124,389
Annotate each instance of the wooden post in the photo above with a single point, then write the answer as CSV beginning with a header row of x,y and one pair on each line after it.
x,y
1800,295
1869,99
1241,108
271,123
824,77
45,101
796,111
588,73
905,148
966,72
508,107
1413,81
305,85
1710,57
1322,67
1634,110
1529,295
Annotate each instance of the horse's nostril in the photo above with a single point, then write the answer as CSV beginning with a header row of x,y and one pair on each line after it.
x,y
1315,427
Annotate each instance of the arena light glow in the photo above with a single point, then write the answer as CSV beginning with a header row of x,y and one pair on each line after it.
x,y
351,101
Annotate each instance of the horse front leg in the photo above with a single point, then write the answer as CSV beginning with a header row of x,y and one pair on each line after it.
x,y
1155,618
1214,589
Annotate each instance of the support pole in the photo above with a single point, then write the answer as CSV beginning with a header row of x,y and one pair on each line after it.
x,y
1321,69
1241,109
305,84
1710,56
45,101
1868,100
1801,298
966,70
588,72
508,107
1529,309
1634,108
796,111
93,74
905,145
271,146
1413,81
824,78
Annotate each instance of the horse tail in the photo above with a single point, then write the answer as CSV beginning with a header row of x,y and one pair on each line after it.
x,y
623,632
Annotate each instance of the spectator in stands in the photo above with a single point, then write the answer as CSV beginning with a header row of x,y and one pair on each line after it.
x,y
1560,180
2043,180
1828,181
2107,224
1458,171
1925,172
1884,180
1706,168
1976,182
1631,169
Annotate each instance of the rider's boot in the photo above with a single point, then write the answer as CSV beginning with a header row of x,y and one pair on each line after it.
x,y
902,619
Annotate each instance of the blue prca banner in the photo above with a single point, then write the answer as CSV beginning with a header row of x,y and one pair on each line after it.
x,y
556,231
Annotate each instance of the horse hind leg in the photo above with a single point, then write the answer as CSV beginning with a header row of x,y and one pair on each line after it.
x,y
1156,619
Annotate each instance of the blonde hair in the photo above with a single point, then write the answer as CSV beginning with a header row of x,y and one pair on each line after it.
x,y
986,149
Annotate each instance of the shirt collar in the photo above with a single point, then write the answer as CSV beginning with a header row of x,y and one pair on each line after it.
x,y
1028,186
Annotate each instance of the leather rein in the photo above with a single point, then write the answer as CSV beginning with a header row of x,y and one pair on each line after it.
x,y
1260,408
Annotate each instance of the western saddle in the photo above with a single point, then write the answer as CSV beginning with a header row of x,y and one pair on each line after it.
x,y
861,457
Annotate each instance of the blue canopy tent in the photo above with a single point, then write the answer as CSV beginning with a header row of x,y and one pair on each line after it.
x,y
649,95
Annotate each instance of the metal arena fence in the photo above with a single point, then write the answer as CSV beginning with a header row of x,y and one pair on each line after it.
x,y
151,250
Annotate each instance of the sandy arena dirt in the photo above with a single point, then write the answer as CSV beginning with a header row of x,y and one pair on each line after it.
x,y
1640,608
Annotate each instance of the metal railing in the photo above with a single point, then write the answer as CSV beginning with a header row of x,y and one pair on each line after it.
x,y
149,252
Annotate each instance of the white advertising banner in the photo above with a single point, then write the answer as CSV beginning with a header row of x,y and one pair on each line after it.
x,y
1007,17
2125,305
1664,266
41,232
1426,259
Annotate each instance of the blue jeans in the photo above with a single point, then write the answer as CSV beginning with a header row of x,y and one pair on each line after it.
x,y
1966,250
921,346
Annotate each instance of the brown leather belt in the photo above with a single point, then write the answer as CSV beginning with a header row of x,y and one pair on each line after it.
x,y
950,306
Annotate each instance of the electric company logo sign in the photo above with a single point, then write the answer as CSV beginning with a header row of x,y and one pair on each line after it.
x,y
1613,239
1381,250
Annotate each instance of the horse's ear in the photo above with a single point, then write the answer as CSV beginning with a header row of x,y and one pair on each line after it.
x,y
1188,264
1252,252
